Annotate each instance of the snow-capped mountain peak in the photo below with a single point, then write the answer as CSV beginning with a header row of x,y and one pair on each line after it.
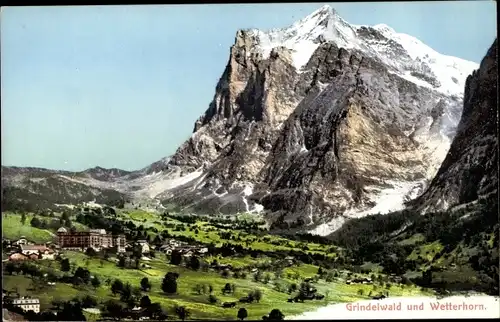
x,y
407,56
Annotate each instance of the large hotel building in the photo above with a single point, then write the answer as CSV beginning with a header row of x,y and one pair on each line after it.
x,y
95,238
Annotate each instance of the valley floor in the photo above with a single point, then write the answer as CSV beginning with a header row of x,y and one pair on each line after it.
x,y
259,252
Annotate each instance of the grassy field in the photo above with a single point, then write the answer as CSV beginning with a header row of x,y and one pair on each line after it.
x,y
274,290
13,228
199,305
207,233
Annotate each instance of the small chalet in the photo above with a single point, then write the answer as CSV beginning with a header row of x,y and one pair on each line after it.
x,y
202,250
145,248
289,260
167,249
22,241
137,313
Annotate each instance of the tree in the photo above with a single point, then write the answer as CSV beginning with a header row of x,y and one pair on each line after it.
x,y
71,312
95,282
137,251
126,295
90,252
175,257
266,278
145,301
89,301
242,313
113,309
145,284
169,284
257,295
182,312
82,273
212,299
194,263
157,240
276,315
227,289
117,287
121,261
65,216
35,222
10,267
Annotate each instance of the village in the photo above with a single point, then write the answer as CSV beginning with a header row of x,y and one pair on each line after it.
x,y
23,249
131,249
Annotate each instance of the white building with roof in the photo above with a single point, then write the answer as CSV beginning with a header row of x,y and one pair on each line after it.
x,y
27,304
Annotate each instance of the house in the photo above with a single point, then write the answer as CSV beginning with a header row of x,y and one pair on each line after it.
x,y
22,241
167,248
187,253
27,304
18,257
225,266
145,248
137,313
48,254
289,260
202,250
35,249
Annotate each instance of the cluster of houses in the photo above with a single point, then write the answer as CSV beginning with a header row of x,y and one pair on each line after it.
x,y
98,239
183,248
23,249
362,280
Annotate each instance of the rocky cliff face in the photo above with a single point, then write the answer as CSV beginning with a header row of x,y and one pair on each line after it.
x,y
470,169
319,122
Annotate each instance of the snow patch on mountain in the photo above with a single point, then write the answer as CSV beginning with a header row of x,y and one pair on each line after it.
x,y
158,182
386,200
389,199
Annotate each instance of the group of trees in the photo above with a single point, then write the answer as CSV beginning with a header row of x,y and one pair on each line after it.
x,y
81,276
51,223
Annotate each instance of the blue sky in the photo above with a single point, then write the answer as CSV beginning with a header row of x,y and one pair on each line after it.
x,y
121,86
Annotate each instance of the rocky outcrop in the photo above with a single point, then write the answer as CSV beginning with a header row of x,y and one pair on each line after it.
x,y
317,141
470,169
